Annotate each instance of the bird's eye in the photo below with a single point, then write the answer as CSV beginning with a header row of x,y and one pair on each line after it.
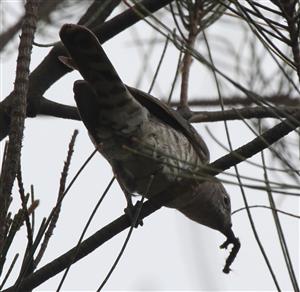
x,y
226,201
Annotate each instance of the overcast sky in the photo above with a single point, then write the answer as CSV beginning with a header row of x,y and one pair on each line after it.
x,y
169,252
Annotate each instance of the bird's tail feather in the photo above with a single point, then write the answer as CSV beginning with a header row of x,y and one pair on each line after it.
x,y
117,109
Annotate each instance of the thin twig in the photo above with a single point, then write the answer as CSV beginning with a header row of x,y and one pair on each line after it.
x,y
117,226
41,80
253,227
235,114
273,151
47,221
159,64
236,100
279,229
84,232
57,207
255,146
24,200
13,227
18,112
195,15
175,78
9,271
133,224
24,206
33,212
45,9
285,170
266,207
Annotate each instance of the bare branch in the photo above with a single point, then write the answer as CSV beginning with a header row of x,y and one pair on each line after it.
x,y
51,69
57,207
255,146
18,114
235,100
45,9
54,109
102,8
97,239
235,114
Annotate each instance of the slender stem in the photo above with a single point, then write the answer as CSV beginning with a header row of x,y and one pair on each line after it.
x,y
18,112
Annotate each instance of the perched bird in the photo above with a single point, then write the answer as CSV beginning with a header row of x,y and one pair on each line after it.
x,y
141,137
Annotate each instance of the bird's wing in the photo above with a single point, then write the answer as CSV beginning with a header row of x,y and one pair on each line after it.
x,y
172,118
118,112
95,67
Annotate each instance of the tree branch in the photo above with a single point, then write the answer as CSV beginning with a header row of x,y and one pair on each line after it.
x,y
51,69
97,239
235,114
45,9
234,100
18,113
54,109
256,145
103,10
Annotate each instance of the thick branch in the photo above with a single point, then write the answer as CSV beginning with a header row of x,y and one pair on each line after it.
x,y
256,145
102,10
51,108
97,239
128,18
239,100
236,114
54,109
86,247
51,69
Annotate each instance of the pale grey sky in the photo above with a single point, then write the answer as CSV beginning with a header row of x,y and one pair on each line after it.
x,y
169,252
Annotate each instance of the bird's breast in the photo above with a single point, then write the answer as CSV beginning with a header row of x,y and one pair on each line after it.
x,y
160,151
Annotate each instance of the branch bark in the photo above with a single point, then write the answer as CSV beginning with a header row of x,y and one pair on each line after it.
x,y
97,239
54,109
236,100
18,113
236,114
51,69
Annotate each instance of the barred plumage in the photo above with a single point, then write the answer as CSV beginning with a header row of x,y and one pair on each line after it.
x,y
140,137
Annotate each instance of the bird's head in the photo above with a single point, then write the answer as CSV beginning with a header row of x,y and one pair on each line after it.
x,y
210,205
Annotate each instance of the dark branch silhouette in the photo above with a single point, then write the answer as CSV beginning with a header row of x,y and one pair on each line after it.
x,y
123,222
51,69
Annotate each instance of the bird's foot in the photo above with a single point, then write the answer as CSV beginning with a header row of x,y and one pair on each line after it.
x,y
133,212
185,112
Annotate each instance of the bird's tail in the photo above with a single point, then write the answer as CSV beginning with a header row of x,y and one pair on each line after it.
x,y
116,109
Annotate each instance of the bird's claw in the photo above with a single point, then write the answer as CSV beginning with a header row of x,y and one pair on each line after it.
x,y
132,211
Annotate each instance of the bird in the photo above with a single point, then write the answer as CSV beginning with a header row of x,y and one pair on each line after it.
x,y
143,138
